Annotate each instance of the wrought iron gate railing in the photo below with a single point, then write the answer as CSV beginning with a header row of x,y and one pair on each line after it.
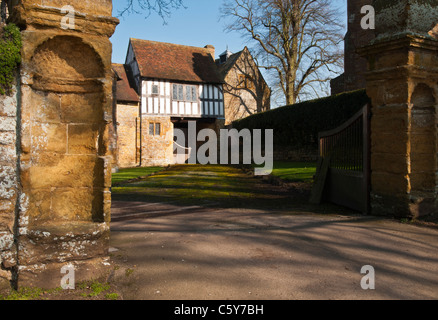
x,y
345,154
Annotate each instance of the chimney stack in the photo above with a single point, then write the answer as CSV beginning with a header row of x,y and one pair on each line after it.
x,y
212,50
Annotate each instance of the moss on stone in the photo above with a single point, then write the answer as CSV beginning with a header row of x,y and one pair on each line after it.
x,y
10,56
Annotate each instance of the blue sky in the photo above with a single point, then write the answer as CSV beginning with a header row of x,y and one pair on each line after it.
x,y
197,25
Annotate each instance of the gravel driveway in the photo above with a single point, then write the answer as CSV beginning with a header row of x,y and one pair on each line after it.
x,y
172,252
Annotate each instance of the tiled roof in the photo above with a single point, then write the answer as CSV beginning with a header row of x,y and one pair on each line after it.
x,y
166,61
225,67
125,92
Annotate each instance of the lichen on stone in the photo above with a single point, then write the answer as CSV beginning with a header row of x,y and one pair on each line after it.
x,y
415,17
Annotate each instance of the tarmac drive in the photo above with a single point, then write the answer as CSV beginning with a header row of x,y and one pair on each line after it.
x,y
166,252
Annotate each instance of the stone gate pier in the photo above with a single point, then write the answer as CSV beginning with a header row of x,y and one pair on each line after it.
x,y
402,82
60,174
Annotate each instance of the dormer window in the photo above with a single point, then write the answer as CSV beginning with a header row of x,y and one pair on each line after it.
x,y
224,56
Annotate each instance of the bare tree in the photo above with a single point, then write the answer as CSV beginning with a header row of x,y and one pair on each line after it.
x,y
297,40
246,87
162,7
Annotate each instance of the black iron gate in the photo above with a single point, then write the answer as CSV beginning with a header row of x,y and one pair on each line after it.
x,y
343,175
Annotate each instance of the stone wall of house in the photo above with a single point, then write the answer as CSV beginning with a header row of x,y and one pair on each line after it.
x,y
156,149
245,91
9,186
128,135
238,105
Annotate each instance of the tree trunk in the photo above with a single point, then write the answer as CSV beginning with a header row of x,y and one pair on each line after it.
x,y
290,90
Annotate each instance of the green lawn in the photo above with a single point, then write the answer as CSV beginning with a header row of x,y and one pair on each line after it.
x,y
290,171
216,185
294,171
133,173
209,185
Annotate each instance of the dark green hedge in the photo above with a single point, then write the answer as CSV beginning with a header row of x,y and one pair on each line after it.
x,y
298,125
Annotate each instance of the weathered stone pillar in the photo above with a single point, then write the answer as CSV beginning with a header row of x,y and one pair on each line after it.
x,y
64,114
9,186
402,82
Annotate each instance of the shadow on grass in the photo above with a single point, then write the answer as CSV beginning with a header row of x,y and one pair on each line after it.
x,y
125,175
231,253
217,186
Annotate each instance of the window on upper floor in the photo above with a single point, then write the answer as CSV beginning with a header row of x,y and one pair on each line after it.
x,y
187,93
194,94
155,89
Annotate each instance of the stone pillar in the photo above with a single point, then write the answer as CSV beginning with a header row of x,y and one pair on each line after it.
x,y
402,82
9,186
356,37
65,115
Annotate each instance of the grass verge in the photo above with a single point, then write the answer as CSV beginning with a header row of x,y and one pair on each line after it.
x,y
294,171
133,173
89,290
213,186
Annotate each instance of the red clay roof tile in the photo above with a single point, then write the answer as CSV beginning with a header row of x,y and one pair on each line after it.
x,y
124,90
166,61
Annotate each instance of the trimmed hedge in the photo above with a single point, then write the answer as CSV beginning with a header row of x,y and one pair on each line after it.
x,y
298,125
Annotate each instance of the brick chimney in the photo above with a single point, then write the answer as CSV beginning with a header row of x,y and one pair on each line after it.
x,y
212,50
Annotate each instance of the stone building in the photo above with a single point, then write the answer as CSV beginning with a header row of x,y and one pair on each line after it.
x,y
164,86
245,91
127,115
355,65
174,84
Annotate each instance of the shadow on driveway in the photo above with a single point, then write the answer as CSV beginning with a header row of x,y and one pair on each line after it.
x,y
220,243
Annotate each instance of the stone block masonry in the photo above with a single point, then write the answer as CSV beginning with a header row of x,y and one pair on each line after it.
x,y
156,141
9,190
55,157
402,82
128,135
